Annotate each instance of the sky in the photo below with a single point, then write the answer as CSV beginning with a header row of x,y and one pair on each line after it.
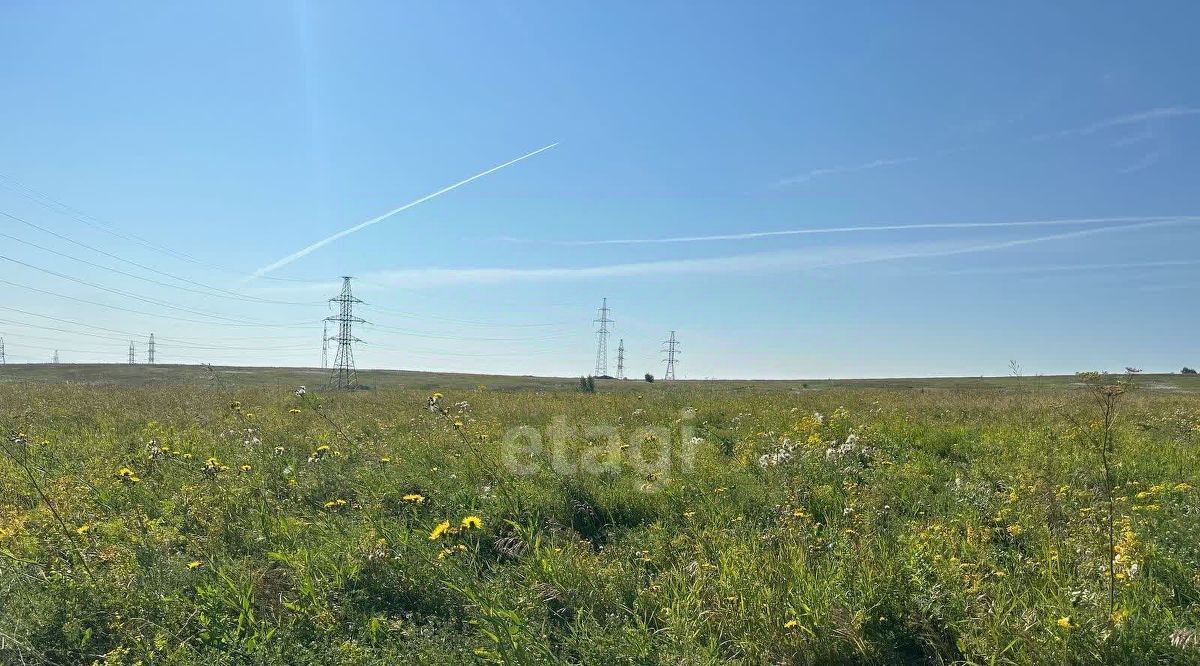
x,y
798,190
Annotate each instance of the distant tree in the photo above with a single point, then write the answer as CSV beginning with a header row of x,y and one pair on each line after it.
x,y
1187,371
591,384
649,378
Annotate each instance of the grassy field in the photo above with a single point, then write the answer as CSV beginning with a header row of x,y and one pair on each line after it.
x,y
169,515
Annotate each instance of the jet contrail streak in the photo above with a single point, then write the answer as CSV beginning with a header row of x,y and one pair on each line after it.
x,y
843,230
375,220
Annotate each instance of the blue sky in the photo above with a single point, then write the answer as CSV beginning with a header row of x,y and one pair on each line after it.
x,y
179,149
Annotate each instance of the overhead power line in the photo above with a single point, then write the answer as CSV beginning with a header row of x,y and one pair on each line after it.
x,y
126,294
226,293
50,202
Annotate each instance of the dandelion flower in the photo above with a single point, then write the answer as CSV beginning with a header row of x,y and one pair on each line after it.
x,y
439,530
1014,530
385,460
472,523
335,503
245,468
458,424
127,475
83,529
294,410
791,624
194,564
212,466
415,498
1065,622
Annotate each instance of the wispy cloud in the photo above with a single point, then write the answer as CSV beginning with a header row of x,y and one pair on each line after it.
x,y
754,263
1068,268
1160,113
380,218
829,171
751,235
1148,160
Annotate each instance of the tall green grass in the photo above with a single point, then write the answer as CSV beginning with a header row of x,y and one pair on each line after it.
x,y
955,527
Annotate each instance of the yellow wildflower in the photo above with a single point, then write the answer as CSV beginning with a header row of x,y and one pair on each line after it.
x,y
1065,622
439,530
194,564
415,498
1014,530
472,522
791,624
127,475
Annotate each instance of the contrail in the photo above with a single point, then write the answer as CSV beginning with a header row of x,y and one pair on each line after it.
x,y
375,220
845,230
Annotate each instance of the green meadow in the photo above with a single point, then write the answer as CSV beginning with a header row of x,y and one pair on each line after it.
x,y
194,517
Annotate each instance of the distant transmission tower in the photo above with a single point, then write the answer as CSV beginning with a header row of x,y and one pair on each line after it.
x,y
602,340
621,359
2,361
344,376
150,350
325,345
671,349
54,359
131,360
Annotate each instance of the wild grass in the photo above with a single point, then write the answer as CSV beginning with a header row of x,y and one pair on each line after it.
x,y
252,525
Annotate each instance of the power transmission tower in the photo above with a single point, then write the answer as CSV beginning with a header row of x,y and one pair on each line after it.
x,y
131,361
325,345
150,350
2,361
602,340
54,359
344,376
621,359
671,349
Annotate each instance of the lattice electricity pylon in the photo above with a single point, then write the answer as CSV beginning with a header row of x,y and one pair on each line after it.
x,y
621,359
602,340
150,350
671,349
344,377
2,361
325,345
131,359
